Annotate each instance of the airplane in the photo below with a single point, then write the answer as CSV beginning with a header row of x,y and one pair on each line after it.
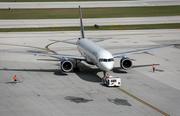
x,y
92,54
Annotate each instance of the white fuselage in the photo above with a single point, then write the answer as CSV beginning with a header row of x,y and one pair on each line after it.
x,y
95,54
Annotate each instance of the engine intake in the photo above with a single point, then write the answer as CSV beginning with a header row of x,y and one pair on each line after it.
x,y
66,65
126,63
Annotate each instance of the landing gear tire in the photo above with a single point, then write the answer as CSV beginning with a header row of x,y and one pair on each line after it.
x,y
76,69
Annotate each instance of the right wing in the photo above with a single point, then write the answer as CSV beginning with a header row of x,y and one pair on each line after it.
x,y
54,55
137,51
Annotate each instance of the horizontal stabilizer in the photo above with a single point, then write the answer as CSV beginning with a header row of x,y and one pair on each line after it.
x,y
101,39
75,43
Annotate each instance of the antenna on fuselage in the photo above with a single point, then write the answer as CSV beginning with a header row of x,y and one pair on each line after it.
x,y
81,23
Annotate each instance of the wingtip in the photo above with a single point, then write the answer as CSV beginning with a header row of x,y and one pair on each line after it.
x,y
170,46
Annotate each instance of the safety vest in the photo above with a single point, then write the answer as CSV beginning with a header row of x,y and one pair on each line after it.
x,y
15,78
153,66
107,76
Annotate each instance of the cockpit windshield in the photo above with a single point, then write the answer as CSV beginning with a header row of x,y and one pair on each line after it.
x,y
106,60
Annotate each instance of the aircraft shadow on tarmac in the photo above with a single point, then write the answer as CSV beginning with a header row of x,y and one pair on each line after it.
x,y
147,65
56,71
120,70
85,72
82,74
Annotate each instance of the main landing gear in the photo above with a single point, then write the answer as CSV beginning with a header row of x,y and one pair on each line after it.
x,y
76,69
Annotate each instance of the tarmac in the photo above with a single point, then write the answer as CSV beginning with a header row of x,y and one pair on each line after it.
x,y
34,23
43,89
88,4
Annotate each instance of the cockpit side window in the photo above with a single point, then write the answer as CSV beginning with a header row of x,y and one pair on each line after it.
x,y
112,59
100,60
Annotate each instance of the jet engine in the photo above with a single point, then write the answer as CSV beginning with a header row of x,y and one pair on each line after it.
x,y
66,65
126,63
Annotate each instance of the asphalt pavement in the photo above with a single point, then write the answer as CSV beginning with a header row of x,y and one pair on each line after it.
x,y
88,4
43,89
34,23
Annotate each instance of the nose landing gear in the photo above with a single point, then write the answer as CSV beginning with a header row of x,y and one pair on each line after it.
x,y
104,72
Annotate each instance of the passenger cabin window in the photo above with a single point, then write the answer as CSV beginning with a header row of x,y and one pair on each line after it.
x,y
106,60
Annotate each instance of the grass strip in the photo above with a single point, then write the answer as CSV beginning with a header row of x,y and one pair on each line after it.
x,y
71,13
114,27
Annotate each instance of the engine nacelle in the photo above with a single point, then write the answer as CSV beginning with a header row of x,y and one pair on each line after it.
x,y
126,63
66,65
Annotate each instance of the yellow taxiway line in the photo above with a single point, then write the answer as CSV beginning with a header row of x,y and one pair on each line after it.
x,y
49,49
143,102
57,25
114,23
168,21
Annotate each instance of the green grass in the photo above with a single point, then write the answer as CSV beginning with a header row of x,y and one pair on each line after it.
x,y
115,27
63,13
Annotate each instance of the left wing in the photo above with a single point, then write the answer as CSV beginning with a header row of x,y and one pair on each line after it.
x,y
101,40
54,55
138,51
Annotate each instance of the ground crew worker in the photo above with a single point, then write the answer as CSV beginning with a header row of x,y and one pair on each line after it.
x,y
107,76
153,67
15,79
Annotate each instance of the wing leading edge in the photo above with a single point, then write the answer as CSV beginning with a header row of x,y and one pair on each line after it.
x,y
138,51
55,55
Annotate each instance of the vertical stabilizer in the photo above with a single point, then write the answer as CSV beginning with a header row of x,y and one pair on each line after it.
x,y
82,28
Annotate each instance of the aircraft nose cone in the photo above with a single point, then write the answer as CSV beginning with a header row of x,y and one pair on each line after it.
x,y
108,66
